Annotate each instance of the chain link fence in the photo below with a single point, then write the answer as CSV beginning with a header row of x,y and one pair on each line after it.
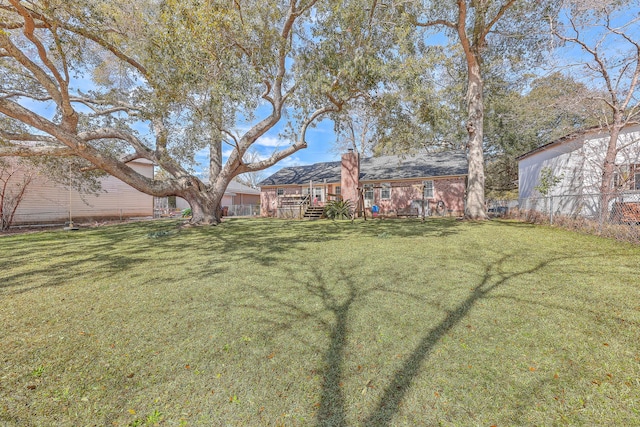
x,y
615,215
244,210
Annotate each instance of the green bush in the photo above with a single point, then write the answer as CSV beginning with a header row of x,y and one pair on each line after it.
x,y
186,213
338,209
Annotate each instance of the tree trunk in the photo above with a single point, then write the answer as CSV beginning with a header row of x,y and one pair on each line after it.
x,y
205,207
608,169
206,201
475,207
203,212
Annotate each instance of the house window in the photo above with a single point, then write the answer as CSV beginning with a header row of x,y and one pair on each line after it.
x,y
316,192
428,189
280,191
368,192
617,181
337,190
627,177
385,191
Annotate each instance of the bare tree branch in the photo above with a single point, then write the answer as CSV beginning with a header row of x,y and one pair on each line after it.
x,y
298,145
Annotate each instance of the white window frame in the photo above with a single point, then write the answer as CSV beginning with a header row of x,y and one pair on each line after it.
x,y
615,182
385,187
319,193
279,192
427,191
368,188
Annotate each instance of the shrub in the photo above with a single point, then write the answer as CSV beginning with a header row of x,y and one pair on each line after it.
x,y
338,209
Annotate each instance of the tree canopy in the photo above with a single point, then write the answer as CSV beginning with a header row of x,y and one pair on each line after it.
x,y
89,85
527,115
109,81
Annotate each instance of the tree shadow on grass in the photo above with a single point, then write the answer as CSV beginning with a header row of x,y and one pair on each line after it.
x,y
338,301
265,240
332,409
86,254
117,248
389,404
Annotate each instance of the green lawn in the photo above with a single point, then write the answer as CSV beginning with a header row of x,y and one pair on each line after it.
x,y
269,322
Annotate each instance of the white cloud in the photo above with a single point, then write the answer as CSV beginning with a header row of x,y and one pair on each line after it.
x,y
270,141
291,161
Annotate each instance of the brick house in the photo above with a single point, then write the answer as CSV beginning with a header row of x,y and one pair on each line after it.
x,y
391,185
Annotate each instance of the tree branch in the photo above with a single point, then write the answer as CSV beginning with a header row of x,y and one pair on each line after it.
x,y
41,76
35,151
98,40
298,145
501,12
601,67
636,73
26,137
69,116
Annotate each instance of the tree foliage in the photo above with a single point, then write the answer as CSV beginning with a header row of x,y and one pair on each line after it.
x,y
485,36
109,81
527,115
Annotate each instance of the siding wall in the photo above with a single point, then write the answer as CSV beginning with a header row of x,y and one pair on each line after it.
x,y
48,202
565,160
578,163
227,200
246,199
595,151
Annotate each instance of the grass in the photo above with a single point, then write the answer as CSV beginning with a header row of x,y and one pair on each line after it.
x,y
269,322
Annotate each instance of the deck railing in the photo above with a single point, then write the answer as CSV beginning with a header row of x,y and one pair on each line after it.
x,y
293,205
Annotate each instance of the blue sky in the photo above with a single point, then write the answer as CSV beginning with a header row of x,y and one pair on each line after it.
x,y
320,147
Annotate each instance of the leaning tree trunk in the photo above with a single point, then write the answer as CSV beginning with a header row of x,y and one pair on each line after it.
x,y
206,200
475,207
608,169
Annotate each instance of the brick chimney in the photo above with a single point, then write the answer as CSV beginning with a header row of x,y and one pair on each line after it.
x,y
350,176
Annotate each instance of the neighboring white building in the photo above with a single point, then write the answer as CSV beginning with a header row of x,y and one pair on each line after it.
x,y
577,161
47,202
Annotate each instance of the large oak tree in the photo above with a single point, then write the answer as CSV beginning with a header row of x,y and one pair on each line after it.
x,y
104,82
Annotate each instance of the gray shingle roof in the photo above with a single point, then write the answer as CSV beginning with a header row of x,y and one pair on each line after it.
x,y
423,165
236,187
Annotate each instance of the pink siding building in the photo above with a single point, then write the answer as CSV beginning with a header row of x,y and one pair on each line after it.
x,y
429,183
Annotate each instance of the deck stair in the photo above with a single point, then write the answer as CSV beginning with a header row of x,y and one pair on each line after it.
x,y
314,212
